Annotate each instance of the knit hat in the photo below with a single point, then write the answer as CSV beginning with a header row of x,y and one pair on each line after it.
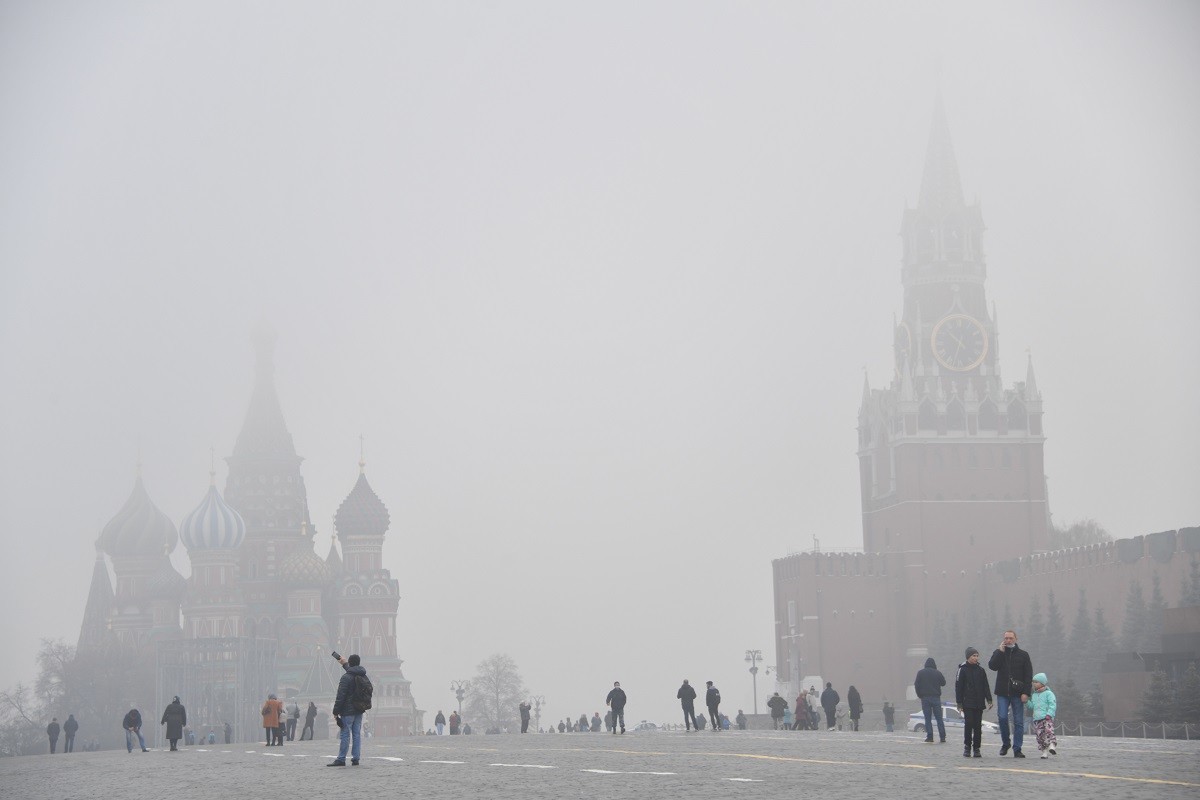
x,y
1041,678
971,651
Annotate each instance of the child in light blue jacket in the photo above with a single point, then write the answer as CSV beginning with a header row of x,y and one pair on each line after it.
x,y
1043,705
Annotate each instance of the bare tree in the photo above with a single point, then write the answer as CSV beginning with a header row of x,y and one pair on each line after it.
x,y
21,729
1078,533
496,691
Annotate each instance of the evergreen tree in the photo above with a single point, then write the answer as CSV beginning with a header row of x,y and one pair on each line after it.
x,y
1034,634
1095,702
1072,705
1097,650
1153,626
938,640
1081,638
953,654
1054,655
1158,702
1189,696
1135,618
1190,594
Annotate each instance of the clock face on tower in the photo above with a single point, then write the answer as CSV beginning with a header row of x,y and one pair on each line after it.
x,y
959,342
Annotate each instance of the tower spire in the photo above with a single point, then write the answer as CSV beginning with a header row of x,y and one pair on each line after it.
x,y
362,458
941,188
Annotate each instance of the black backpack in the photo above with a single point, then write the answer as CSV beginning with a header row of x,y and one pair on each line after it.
x,y
360,693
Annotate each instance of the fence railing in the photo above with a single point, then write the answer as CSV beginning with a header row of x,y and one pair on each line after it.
x,y
1133,730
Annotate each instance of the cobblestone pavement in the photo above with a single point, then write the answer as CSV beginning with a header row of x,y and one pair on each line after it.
x,y
698,764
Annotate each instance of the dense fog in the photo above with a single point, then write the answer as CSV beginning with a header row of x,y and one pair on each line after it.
x,y
596,283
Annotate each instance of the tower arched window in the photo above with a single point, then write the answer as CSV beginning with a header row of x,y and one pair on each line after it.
x,y
956,416
927,417
989,417
925,234
952,241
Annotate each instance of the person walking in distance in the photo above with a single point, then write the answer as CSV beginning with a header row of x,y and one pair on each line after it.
x,y
616,701
1014,679
52,731
712,699
310,718
69,728
829,701
271,711
133,727
854,700
454,722
928,684
174,717
524,708
971,696
353,701
687,698
293,718
776,704
439,722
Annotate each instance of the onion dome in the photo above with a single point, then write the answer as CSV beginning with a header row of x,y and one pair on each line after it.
x,y
139,528
362,513
334,559
304,568
213,523
166,583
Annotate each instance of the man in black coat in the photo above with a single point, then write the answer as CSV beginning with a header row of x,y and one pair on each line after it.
x,y
929,685
712,699
776,704
687,697
616,701
971,695
829,701
174,717
349,719
310,717
52,731
1014,682
69,728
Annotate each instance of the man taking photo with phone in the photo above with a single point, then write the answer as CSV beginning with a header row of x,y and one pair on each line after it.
x,y
353,700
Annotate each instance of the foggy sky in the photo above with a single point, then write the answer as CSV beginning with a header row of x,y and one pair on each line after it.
x,y
597,283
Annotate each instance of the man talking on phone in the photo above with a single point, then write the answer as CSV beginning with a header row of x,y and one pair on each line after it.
x,y
353,699
1014,682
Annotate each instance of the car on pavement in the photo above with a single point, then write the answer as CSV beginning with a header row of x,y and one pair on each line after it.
x,y
644,726
950,718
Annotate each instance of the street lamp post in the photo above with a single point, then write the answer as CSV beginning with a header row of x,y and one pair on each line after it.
x,y
753,657
538,700
460,688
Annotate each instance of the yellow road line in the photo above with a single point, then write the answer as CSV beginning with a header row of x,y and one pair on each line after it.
x,y
1093,775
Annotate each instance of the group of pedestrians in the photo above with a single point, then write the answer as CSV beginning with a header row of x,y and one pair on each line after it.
x,y
712,701
67,729
1017,689
280,723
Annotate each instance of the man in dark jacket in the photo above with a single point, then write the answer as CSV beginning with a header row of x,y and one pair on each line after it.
x,y
776,705
972,695
712,699
52,731
310,718
929,685
687,698
133,727
524,709
616,701
69,728
174,717
829,701
348,718
1014,682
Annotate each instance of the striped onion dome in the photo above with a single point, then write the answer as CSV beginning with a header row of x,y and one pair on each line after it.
x,y
139,528
304,568
213,523
362,513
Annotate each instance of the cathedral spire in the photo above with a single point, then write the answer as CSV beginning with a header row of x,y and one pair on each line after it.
x,y
95,631
264,433
941,188
1031,390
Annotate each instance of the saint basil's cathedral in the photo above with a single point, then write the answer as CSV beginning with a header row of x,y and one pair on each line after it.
x,y
261,611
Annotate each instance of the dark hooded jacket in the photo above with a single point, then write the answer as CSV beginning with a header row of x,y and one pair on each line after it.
x,y
52,731
174,717
830,698
686,694
929,681
854,700
70,726
777,704
616,698
132,720
971,686
342,706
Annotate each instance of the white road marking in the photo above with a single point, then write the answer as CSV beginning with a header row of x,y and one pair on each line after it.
x,y
273,755
746,780
623,772
527,766
386,758
441,762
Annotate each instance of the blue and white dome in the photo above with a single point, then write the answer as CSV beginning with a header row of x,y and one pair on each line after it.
x,y
212,524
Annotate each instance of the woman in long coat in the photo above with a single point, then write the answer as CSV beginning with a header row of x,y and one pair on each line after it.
x,y
272,710
854,699
174,717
